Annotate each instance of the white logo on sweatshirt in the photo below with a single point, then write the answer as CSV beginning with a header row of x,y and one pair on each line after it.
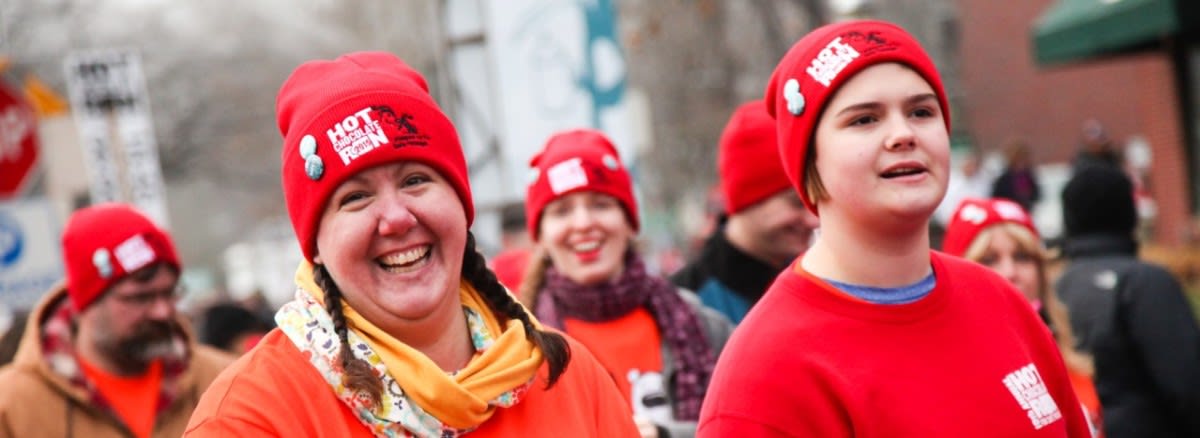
x,y
1027,386
1106,279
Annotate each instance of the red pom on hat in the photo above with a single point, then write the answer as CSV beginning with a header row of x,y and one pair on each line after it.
x,y
748,161
573,161
105,242
974,215
817,66
358,111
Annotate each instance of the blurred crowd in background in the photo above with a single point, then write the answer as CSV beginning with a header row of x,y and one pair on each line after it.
x,y
210,73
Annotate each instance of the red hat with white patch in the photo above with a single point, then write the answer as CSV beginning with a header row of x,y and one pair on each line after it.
x,y
974,215
574,161
748,158
817,66
105,242
353,113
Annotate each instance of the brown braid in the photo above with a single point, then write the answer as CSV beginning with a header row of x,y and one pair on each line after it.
x,y
534,277
360,377
554,347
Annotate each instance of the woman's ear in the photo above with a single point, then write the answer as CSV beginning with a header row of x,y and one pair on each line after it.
x,y
317,260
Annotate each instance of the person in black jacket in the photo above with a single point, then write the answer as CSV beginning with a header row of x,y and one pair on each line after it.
x,y
765,225
1130,315
1018,182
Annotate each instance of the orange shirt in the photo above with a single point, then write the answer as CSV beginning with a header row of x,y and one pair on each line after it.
x,y
274,391
1086,391
134,399
629,343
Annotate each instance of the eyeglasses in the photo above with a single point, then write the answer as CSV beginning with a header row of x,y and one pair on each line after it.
x,y
146,299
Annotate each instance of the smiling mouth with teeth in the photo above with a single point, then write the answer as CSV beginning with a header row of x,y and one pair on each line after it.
x,y
586,246
406,259
902,172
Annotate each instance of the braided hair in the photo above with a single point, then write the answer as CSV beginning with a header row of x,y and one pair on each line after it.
x,y
553,346
360,376
534,278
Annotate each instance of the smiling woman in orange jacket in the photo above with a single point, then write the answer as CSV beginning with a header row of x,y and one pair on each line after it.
x,y
397,328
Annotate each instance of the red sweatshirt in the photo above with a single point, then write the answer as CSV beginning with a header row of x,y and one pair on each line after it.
x,y
274,391
969,359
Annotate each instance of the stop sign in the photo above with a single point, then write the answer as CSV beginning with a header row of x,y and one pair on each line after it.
x,y
18,141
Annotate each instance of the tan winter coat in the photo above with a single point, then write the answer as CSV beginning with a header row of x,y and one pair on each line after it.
x,y
37,401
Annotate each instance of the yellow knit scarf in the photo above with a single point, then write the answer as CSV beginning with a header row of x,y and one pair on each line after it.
x,y
460,400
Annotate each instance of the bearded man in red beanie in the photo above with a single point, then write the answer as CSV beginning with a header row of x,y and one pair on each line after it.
x,y
765,224
105,354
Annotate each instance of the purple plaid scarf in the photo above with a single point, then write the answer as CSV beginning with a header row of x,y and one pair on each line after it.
x,y
677,322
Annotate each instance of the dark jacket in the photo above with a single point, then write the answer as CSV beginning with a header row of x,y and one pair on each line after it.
x,y
1107,157
725,278
1133,318
1018,185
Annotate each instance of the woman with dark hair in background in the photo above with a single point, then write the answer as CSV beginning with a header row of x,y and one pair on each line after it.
x,y
232,328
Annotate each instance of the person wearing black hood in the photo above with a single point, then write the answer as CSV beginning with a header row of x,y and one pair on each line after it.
x,y
1096,148
1130,315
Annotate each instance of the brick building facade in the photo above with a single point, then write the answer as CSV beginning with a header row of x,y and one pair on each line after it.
x,y
1005,95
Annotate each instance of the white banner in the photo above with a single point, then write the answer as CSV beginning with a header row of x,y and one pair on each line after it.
x,y
112,111
98,159
557,65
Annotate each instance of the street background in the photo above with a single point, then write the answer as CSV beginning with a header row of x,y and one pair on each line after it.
x,y
170,105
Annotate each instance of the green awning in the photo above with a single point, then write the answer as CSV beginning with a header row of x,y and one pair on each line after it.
x,y
1072,30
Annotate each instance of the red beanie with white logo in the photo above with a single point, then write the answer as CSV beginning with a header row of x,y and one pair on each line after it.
x,y
105,242
574,161
748,162
817,66
974,215
347,115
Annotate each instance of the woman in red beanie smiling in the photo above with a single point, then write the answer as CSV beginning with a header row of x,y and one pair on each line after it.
x,y
871,333
659,344
397,327
998,233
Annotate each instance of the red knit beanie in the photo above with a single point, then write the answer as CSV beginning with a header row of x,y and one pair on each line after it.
x,y
104,243
817,66
748,158
573,161
358,111
974,215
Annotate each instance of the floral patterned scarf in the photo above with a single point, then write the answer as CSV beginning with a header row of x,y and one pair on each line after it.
x,y
402,413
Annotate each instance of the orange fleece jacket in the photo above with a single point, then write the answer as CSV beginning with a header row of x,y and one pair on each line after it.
x,y
274,391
